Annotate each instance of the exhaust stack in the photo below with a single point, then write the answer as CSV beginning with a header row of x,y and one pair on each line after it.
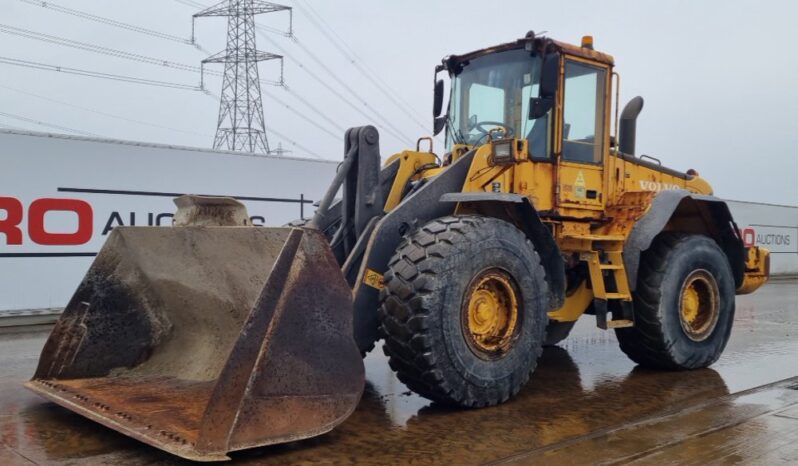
x,y
628,126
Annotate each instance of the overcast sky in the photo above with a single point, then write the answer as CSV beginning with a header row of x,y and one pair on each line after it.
x,y
719,78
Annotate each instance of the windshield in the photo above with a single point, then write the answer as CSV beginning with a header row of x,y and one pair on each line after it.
x,y
493,91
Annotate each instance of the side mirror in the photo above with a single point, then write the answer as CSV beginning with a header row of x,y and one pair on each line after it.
x,y
439,124
549,79
540,106
437,105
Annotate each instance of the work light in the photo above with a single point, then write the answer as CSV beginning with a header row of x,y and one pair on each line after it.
x,y
503,151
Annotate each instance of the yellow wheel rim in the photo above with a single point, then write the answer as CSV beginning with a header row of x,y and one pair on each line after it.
x,y
490,313
699,305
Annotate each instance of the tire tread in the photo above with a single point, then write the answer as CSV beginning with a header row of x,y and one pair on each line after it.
x,y
646,343
405,320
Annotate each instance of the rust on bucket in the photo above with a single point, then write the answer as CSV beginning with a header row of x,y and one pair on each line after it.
x,y
200,340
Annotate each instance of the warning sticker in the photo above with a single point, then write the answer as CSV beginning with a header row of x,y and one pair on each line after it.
x,y
373,279
580,189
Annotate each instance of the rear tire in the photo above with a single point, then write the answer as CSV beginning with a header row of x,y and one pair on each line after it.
x,y
683,304
434,308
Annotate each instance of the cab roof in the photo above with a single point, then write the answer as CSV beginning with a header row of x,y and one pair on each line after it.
x,y
540,43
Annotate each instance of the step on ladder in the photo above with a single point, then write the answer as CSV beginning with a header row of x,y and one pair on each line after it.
x,y
609,282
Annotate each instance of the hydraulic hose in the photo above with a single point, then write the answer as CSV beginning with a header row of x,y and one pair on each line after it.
x,y
329,196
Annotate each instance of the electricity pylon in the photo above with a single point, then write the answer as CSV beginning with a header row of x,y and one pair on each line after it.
x,y
241,125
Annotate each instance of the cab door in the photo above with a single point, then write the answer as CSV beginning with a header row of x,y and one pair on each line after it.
x,y
582,136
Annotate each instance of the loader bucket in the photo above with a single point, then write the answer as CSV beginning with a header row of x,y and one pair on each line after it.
x,y
203,339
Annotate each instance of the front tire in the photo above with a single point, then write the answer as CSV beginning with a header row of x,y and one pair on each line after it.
x,y
463,311
683,304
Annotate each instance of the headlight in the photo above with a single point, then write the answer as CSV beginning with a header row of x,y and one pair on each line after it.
x,y
503,152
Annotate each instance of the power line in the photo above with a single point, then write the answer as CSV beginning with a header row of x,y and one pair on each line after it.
x,y
315,110
295,95
384,124
96,74
86,133
159,62
304,117
139,29
21,32
132,56
393,132
139,58
217,98
288,33
348,53
26,33
346,86
111,22
48,125
11,127
290,11
99,112
280,135
191,4
115,23
128,56
387,128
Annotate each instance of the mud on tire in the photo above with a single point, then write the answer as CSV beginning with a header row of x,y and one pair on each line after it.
x,y
421,310
661,338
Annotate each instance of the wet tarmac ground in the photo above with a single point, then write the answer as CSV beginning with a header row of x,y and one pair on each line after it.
x,y
585,404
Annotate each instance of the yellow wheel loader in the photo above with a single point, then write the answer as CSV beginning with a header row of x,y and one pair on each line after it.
x,y
215,335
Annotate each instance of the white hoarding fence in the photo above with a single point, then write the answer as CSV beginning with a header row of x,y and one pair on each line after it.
x,y
61,196
771,226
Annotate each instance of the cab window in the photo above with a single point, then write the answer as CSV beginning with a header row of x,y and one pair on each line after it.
x,y
486,104
493,91
583,113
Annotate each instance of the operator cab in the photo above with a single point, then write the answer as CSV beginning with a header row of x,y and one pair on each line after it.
x,y
493,91
509,91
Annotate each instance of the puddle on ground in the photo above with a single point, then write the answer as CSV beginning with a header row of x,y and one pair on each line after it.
x,y
583,386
